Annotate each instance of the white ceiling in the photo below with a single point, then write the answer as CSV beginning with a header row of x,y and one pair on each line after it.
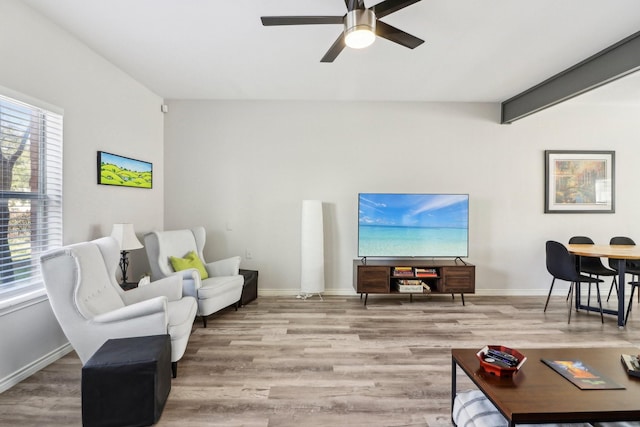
x,y
475,50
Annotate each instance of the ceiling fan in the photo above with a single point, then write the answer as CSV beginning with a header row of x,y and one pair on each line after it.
x,y
361,25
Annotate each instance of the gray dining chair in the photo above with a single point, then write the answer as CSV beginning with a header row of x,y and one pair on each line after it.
x,y
562,265
592,266
631,267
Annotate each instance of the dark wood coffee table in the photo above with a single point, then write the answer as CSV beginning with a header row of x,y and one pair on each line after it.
x,y
538,394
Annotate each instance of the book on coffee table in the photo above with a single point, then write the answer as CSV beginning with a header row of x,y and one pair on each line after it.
x,y
581,375
631,364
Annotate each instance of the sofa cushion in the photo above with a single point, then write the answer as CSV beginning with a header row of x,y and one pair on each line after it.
x,y
98,295
162,245
191,260
215,286
473,409
619,424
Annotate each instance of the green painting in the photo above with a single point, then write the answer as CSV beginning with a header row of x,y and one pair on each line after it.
x,y
124,171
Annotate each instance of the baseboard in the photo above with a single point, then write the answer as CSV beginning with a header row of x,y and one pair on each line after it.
x,y
294,292
479,292
30,369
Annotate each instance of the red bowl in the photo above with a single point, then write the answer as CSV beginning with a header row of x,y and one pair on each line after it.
x,y
494,369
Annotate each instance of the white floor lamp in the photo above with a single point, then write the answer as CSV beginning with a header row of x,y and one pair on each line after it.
x,y
311,250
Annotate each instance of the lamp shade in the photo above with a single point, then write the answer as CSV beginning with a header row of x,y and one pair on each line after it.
x,y
312,248
126,237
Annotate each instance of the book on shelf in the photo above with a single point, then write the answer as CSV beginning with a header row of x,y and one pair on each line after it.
x,y
425,272
413,282
411,289
411,286
631,364
403,271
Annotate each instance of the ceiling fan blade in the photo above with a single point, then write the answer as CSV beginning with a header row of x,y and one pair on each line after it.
x,y
334,50
398,36
387,7
354,4
300,20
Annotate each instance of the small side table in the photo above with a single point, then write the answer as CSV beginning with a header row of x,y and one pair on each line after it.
x,y
128,285
250,287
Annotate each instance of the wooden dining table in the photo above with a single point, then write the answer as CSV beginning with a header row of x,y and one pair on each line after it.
x,y
622,253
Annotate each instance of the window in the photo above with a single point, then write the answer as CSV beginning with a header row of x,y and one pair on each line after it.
x,y
30,193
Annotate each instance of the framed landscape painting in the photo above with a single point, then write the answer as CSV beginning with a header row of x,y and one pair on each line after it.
x,y
579,181
124,171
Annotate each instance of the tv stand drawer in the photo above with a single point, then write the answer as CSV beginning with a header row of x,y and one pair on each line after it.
x,y
373,279
457,279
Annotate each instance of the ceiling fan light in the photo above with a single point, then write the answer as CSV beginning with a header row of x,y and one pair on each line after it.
x,y
359,38
360,26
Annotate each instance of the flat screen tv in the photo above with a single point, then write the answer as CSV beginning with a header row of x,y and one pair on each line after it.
x,y
413,225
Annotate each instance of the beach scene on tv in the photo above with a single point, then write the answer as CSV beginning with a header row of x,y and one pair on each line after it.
x,y
413,225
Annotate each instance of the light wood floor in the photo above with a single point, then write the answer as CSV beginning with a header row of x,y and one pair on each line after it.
x,y
287,362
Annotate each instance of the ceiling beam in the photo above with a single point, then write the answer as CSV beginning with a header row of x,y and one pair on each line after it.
x,y
605,66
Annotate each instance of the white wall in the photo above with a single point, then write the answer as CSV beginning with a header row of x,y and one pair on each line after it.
x,y
104,109
248,165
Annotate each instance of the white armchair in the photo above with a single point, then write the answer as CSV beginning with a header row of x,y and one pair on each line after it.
x,y
91,307
221,289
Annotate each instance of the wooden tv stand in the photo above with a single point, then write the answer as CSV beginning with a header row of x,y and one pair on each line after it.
x,y
451,277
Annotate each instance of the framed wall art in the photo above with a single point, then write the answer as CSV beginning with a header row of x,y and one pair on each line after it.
x,y
579,181
124,171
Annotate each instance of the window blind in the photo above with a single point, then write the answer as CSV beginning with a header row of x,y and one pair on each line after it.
x,y
30,192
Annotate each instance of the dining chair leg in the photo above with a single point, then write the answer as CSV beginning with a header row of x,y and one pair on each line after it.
x,y
548,296
570,301
589,296
599,301
626,317
614,285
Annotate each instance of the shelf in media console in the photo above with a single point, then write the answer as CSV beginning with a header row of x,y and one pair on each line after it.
x,y
385,276
412,262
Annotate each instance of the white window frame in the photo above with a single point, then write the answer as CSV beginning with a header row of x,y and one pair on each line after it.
x,y
48,219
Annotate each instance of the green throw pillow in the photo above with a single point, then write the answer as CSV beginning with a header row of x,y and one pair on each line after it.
x,y
191,260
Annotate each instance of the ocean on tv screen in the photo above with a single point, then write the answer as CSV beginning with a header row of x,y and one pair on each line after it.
x,y
412,241
413,225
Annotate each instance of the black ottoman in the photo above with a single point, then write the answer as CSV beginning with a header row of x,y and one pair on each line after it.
x,y
250,287
127,382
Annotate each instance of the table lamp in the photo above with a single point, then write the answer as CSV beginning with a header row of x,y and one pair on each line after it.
x,y
127,240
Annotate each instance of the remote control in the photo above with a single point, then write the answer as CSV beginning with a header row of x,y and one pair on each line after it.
x,y
503,357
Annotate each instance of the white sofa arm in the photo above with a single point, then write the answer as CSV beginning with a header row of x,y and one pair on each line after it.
x,y
136,312
224,267
191,274
171,287
191,282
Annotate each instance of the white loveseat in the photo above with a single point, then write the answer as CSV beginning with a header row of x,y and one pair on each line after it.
x,y
91,307
221,289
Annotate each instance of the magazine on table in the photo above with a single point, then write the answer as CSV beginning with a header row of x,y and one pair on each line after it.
x,y
581,374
